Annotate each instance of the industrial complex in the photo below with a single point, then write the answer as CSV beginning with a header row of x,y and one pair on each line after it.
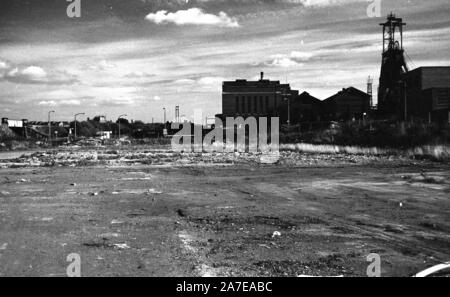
x,y
403,94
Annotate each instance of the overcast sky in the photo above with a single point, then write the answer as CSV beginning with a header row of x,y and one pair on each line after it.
x,y
138,56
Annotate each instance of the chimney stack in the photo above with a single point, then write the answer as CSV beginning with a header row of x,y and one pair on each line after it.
x,y
262,75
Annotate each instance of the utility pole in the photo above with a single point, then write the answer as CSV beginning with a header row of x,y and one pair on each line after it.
x,y
370,91
405,99
75,123
50,125
177,114
118,120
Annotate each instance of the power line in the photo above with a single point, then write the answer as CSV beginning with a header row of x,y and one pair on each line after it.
x,y
412,62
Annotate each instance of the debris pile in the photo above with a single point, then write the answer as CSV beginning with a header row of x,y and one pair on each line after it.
x,y
134,156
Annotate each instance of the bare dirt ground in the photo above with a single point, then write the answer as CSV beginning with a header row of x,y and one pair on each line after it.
x,y
155,213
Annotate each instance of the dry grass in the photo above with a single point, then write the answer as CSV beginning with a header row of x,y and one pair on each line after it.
x,y
433,152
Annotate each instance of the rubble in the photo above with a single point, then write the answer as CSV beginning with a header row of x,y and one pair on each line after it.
x,y
122,246
141,155
276,234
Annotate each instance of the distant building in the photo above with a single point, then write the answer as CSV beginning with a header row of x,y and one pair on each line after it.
x,y
305,108
14,123
266,98
428,93
262,98
104,134
347,104
99,119
17,126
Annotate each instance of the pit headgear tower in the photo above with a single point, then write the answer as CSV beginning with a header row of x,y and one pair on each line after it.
x,y
393,67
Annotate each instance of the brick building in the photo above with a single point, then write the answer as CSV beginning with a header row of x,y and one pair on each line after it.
x,y
262,98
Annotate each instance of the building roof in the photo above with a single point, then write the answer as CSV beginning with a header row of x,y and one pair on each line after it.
x,y
306,98
347,91
257,83
429,77
430,67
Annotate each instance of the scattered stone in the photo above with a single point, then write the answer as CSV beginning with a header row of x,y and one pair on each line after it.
x,y
153,191
109,235
276,234
181,213
121,246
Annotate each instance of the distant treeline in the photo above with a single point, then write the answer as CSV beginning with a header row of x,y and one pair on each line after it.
x,y
135,129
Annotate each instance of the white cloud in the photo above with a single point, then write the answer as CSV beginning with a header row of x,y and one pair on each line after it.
x,y
35,75
102,65
184,81
72,102
157,98
295,58
31,73
193,16
319,3
301,56
209,80
47,103
138,74
284,62
34,72
119,101
3,65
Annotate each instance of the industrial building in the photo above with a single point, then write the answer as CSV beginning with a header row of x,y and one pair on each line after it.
x,y
262,98
423,93
305,108
348,104
428,94
266,98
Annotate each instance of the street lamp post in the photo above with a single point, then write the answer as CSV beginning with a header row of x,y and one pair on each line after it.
x,y
118,120
50,125
289,112
164,116
75,123
287,98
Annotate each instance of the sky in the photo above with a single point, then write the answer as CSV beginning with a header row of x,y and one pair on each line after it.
x,y
136,57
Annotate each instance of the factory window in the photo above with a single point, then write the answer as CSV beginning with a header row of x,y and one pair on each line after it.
x,y
243,104
237,104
